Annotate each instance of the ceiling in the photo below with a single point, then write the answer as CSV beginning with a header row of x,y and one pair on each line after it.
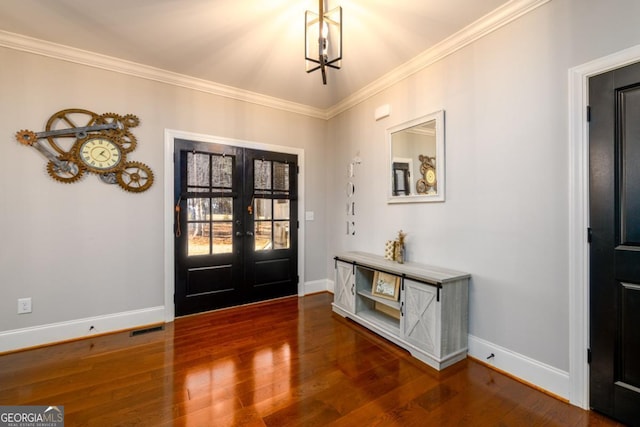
x,y
253,45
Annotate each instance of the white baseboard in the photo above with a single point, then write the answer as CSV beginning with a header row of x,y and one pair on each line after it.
x,y
81,328
536,373
331,286
315,286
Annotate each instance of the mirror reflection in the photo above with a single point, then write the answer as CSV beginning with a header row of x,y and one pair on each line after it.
x,y
417,160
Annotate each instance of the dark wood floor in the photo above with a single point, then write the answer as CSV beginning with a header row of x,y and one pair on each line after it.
x,y
284,363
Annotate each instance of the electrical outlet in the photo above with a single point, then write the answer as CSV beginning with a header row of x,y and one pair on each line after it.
x,y
24,305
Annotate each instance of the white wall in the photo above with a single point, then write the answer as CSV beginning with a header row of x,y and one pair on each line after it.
x,y
89,249
505,218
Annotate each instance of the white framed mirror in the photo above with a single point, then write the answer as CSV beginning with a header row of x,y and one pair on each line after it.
x,y
416,160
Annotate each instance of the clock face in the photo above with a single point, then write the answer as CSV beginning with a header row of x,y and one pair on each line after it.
x,y
100,154
430,177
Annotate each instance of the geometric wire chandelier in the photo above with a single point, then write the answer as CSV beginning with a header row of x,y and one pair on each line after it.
x,y
323,39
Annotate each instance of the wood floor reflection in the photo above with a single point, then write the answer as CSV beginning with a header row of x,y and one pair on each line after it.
x,y
289,362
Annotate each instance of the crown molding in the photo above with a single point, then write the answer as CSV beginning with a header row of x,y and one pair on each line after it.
x,y
109,63
487,24
483,26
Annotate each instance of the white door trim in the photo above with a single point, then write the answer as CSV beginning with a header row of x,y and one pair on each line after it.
x,y
579,217
169,259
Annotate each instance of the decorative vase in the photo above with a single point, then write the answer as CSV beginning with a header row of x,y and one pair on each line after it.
x,y
400,253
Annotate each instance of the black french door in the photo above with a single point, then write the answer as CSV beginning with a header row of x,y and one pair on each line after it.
x,y
236,228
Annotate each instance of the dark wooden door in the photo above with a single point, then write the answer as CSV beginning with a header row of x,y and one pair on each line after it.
x,y
271,217
614,179
236,226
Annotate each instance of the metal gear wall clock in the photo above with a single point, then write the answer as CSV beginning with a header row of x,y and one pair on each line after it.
x,y
76,141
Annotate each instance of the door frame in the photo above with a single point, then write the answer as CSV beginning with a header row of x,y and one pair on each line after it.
x,y
169,211
579,217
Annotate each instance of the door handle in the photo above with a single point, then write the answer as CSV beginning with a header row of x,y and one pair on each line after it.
x,y
249,233
238,233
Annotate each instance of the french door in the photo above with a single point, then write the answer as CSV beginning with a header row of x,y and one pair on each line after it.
x,y
236,228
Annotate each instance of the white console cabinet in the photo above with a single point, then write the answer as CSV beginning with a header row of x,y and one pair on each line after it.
x,y
430,316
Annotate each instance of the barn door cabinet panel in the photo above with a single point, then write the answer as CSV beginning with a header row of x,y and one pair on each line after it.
x,y
429,317
344,293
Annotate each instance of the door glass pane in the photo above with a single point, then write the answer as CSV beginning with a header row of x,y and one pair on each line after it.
x,y
281,209
280,176
198,170
222,226
222,241
261,174
222,208
198,239
221,171
281,235
263,209
262,232
198,209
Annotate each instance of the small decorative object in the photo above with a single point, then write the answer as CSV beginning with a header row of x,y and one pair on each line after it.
x,y
386,285
100,146
390,250
351,228
351,188
399,254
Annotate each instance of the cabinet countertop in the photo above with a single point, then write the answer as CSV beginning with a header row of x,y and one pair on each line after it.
x,y
424,272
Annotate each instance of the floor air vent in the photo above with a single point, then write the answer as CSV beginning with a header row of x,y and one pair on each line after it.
x,y
146,330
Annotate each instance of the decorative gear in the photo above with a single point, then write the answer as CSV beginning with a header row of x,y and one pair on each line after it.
x,y
124,122
26,137
127,140
65,171
111,118
135,177
70,118
130,121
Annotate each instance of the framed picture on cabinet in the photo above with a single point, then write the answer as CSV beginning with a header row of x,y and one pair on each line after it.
x,y
386,285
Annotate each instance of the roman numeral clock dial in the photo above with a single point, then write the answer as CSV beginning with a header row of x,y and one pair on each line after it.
x,y
100,154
